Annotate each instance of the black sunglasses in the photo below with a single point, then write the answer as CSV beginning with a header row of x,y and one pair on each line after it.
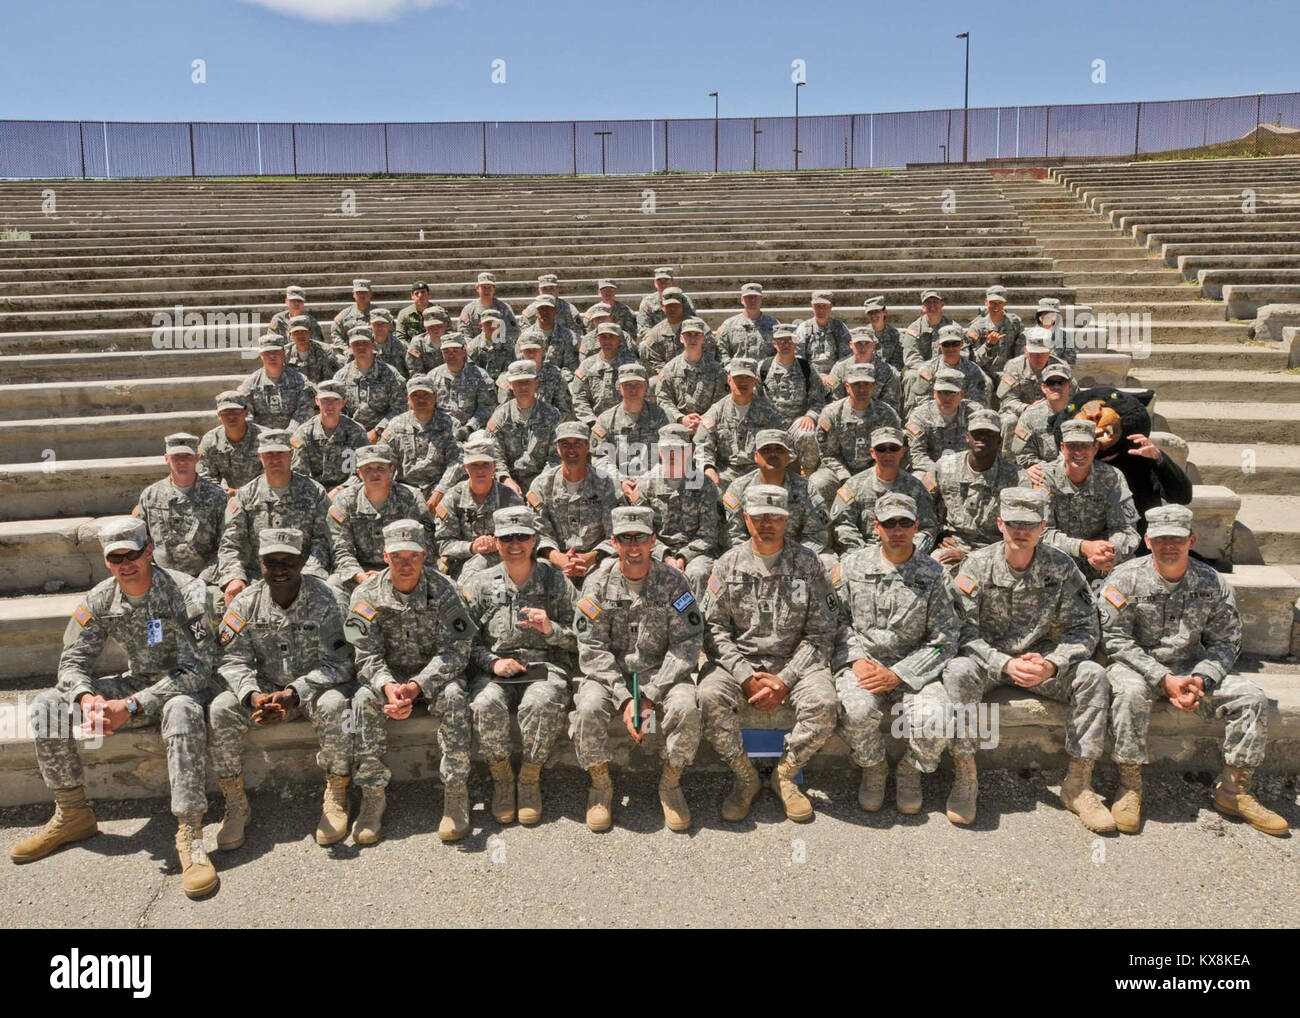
x,y
888,448
898,523
513,538
632,538
118,557
1056,383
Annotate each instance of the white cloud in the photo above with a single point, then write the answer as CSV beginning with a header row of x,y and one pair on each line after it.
x,y
346,10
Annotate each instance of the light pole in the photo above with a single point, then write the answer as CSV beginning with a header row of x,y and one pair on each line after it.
x,y
797,85
965,99
945,152
715,131
757,131
602,135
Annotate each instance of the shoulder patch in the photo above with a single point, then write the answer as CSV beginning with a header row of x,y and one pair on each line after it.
x,y
232,506
365,609
730,500
913,333
1022,432
296,442
837,574
913,427
589,608
715,585
598,430
845,495
685,601
965,584
235,621
1114,597
823,422
442,511
337,514
927,375
493,425
534,499
636,498
579,374
82,615
929,481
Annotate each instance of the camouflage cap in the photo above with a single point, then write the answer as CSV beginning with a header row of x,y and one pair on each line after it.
x,y
1022,505
380,452
632,519
598,310
435,313
1038,340
632,372
274,440
514,519
783,332
927,294
876,303
416,383
490,315
665,272
270,341
887,436
279,540
863,334
1058,369
894,504
521,371
419,285
123,534
299,323
528,341
602,284
674,434
360,334
572,429
754,288
295,293
486,277
381,315
181,442
860,372
694,325
671,295
1169,521
773,436
544,300
451,339
996,292
767,500
984,420
331,388
1078,429
1046,304
743,366
232,399
479,448
951,334
823,297
948,379
404,535
548,279
361,286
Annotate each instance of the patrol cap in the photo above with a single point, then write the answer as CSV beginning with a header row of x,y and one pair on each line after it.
x,y
603,283
528,341
1038,340
451,339
756,288
671,295
860,372
863,334
479,448
416,383
948,379
674,434
380,452
743,366
894,504
486,277
270,341
295,293
951,334
876,303
515,519
381,315
1046,304
665,272
548,279
996,292
1078,429
984,420
1169,521
773,436
544,300
766,500
360,334
419,285
181,442
279,540
783,332
491,315
404,535
632,519
694,325
274,440
330,388
299,323
823,297
232,399
124,534
572,429
361,286
887,436
598,310
435,313
521,370
1022,505
927,294
1058,369
631,372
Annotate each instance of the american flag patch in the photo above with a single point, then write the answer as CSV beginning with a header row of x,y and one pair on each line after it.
x,y
337,514
1022,432
824,423
844,495
715,585
929,482
1115,597
364,609
235,621
232,506
730,500
82,615
296,442
965,584
534,499
441,511
589,608
913,427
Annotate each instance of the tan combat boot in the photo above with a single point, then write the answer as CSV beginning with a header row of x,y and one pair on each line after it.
x,y
907,787
797,806
503,791
965,790
1078,797
333,824
744,789
455,812
73,820
1127,807
530,793
871,792
600,798
676,813
230,835
1232,797
198,875
370,817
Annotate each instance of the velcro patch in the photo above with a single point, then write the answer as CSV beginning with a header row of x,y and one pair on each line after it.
x,y
493,425
296,442
1008,381
235,621
1114,597
685,601
824,423
845,495
636,498
730,500
1022,433
706,423
364,609
965,584
927,375
836,575
589,608
388,433
599,430
337,514
82,615
929,481
579,374
715,585
913,427
534,499
232,506
442,511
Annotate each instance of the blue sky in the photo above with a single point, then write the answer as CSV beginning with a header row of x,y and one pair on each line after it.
x,y
364,60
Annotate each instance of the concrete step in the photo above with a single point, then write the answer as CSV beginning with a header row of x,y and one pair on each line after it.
x,y
143,363
1203,357
37,554
1244,423
85,438
1243,300
1220,386
1274,522
39,400
59,488
1248,469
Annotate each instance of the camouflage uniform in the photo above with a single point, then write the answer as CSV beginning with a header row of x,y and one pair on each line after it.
x,y
650,312
663,343
844,439
853,510
372,397
889,382
230,464
524,446
492,357
280,326
739,336
901,616
889,345
423,354
994,360
919,341
566,315
594,388
809,518
625,318
459,519
184,525
468,397
822,345
429,453
356,528
626,444
967,502
409,324
572,520
276,402
347,319
725,438
171,654
686,388
422,637
392,352
327,457
267,648
469,319
1020,386
559,346
1032,440
918,384
685,520
316,365
657,634
552,386
1099,509
930,434
255,507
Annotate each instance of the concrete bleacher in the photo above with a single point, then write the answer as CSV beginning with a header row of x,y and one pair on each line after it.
x,y
87,393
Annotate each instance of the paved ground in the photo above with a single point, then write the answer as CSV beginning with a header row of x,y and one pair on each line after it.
x,y
1027,863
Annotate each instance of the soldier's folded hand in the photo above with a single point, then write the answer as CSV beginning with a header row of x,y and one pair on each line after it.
x,y
647,710
1035,472
433,500
1184,691
765,691
508,666
536,618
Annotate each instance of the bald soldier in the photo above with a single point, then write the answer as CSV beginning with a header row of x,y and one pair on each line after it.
x,y
184,512
639,637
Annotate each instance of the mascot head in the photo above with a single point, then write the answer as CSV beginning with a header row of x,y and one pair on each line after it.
x,y
1114,414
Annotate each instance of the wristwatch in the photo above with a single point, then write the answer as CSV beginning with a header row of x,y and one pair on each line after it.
x,y
132,705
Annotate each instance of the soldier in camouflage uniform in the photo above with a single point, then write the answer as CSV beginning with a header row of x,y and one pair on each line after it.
x,y
1171,629
919,337
889,341
1032,443
650,312
573,503
283,655
424,352
724,443
160,619
899,628
375,393
994,335
639,632
566,315
228,453
410,320
324,447
276,500
463,519
313,360
523,657
809,518
863,347
844,432
1028,620
183,512
552,385
624,436
1020,384
938,425
411,633
490,349
693,380
797,392
429,457
559,342
663,342
356,313
1090,511
295,306
523,430
966,488
278,395
853,512
464,391
486,287
749,333
360,512
621,315
594,317
594,388
822,340
918,383
1047,315
771,620
388,348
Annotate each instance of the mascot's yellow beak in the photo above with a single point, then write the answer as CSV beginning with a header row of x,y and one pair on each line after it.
x,y
1104,419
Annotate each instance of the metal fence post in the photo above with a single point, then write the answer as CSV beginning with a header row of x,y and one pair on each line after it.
x,y
385,147
485,173
293,134
1258,100
1137,130
192,173
574,125
1047,132
81,135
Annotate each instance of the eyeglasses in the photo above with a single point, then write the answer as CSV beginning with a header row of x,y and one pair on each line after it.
x,y
1021,525
896,524
513,538
118,557
1056,383
887,448
632,538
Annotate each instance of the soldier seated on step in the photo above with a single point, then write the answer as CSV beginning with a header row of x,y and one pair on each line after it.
x,y
159,617
548,285
623,438
424,352
355,314
594,386
523,429
465,392
724,443
324,446
693,380
523,657
183,512
490,349
639,633
228,453
797,392
994,336
374,392
853,509
1028,620
620,314
314,361
749,332
918,339
1171,629
844,432
552,383
295,306
918,382
1033,442
771,620
1021,378
429,457
463,519
573,502
559,343
650,311
471,314
822,340
283,654
864,348
410,320
411,633
278,395
938,425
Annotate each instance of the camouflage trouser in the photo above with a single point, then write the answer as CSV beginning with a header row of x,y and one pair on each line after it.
x,y
825,483
1242,703
594,706
807,453
1083,687
541,707
924,718
697,574
816,710
184,735
463,570
328,711
370,742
